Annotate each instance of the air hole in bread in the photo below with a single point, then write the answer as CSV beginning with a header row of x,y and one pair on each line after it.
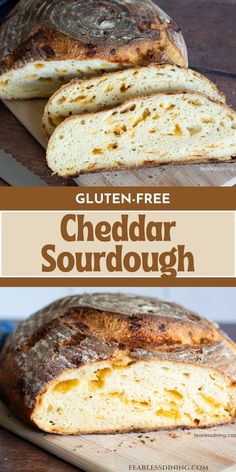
x,y
66,385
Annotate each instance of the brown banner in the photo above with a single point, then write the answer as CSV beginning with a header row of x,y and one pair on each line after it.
x,y
135,198
124,282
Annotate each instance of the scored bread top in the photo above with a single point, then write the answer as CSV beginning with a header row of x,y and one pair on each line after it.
x,y
120,318
84,329
120,31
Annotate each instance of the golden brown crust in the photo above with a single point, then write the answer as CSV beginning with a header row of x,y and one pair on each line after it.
x,y
86,329
116,31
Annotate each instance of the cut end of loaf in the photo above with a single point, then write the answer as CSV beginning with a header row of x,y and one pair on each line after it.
x,y
41,79
108,397
163,128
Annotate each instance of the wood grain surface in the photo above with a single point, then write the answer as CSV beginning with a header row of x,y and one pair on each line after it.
x,y
19,455
16,140
209,30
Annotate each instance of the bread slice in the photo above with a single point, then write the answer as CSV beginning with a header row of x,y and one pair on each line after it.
x,y
162,128
106,363
44,43
115,88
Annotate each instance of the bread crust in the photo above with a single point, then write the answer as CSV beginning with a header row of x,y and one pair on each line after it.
x,y
126,33
152,164
86,329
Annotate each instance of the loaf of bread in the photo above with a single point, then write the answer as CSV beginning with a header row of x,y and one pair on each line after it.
x,y
146,131
114,88
106,363
45,43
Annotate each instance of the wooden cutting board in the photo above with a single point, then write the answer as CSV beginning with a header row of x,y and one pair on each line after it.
x,y
29,113
115,453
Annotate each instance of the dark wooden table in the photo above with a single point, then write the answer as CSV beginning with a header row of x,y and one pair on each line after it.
x,y
209,30
20,456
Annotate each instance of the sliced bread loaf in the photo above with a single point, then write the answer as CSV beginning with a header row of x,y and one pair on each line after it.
x,y
109,362
44,43
114,88
162,128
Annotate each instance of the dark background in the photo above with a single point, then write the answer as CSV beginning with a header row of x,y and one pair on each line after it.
x,y
5,7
